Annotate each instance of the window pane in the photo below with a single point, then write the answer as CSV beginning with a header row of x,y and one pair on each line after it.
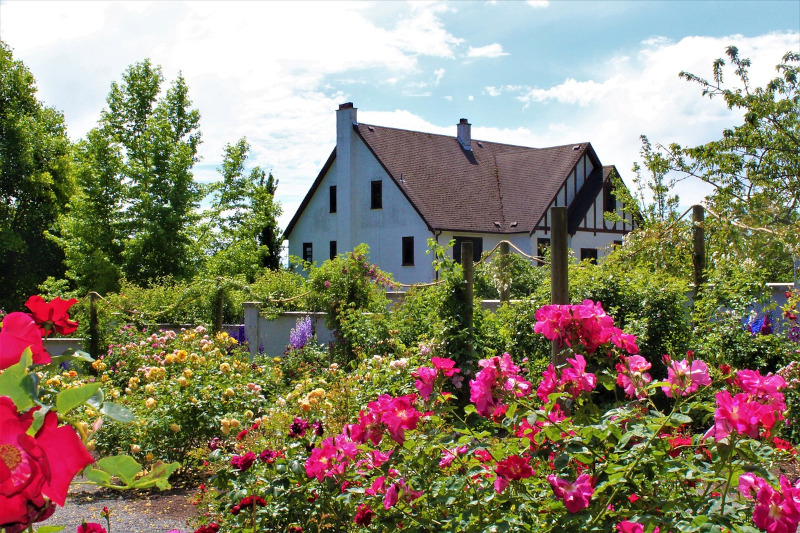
x,y
477,248
307,252
376,195
589,253
333,199
333,250
408,251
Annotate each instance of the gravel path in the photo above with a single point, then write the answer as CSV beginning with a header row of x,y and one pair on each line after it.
x,y
131,512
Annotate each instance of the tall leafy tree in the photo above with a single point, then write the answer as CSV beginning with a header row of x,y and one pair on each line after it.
x,y
754,168
93,231
35,183
137,187
241,232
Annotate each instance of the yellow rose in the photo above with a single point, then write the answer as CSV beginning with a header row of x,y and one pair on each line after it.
x,y
187,372
225,430
149,457
149,389
115,394
224,368
174,427
128,390
305,406
235,423
248,414
150,403
169,359
135,448
182,381
91,445
228,392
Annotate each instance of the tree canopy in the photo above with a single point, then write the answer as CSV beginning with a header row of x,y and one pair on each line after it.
x,y
36,182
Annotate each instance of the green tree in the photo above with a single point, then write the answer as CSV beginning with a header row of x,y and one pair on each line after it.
x,y
35,183
158,139
93,231
241,233
754,169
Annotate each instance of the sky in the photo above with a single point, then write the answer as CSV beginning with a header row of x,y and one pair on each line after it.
x,y
532,73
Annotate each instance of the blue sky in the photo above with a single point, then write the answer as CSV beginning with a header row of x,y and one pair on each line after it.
x,y
532,73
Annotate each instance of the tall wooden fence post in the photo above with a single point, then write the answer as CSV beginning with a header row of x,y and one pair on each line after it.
x,y
219,304
505,285
467,266
94,335
559,274
698,247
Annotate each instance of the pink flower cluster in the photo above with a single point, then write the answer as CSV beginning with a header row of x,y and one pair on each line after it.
x,y
573,379
776,511
575,495
331,459
685,376
426,376
498,379
757,407
511,468
586,324
632,375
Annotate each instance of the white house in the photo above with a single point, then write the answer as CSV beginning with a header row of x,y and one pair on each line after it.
x,y
394,189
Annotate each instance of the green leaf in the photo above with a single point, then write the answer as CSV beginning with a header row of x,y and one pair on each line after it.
x,y
69,399
99,477
67,357
157,476
469,409
49,529
38,420
117,412
511,410
11,382
123,467
96,400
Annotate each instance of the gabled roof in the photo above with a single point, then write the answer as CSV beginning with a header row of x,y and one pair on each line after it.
x,y
492,188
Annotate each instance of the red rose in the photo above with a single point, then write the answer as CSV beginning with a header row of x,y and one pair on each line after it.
x,y
32,468
20,332
52,316
91,527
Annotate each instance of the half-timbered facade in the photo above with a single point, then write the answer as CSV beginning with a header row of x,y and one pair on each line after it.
x,y
395,189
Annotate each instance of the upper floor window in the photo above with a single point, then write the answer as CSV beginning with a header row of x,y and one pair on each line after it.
x,y
376,194
609,200
308,254
408,251
332,204
332,254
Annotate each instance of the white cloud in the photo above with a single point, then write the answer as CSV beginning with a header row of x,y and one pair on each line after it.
x,y
538,4
488,51
254,69
644,95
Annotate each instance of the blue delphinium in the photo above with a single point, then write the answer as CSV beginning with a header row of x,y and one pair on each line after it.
x,y
301,333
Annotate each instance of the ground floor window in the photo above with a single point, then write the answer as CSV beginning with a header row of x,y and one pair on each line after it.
x,y
333,250
477,248
308,254
590,254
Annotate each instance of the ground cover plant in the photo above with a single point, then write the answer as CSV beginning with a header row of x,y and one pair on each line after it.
x,y
594,445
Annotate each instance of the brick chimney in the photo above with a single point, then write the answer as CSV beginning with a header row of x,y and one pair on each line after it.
x,y
464,134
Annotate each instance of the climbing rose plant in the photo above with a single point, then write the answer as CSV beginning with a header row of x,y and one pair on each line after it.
x,y
599,444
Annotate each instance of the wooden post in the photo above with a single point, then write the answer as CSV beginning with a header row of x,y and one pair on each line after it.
x,y
505,288
698,247
468,267
219,303
94,334
559,274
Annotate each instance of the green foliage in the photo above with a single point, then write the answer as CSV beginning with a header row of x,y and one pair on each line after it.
x,y
753,167
184,389
36,181
347,283
240,235
521,275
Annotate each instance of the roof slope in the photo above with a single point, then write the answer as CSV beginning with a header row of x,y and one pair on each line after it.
x,y
493,188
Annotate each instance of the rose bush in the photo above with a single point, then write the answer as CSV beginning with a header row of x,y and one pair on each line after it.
x,y
38,456
594,445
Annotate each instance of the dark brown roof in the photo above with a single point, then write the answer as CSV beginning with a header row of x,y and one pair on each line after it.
x,y
492,188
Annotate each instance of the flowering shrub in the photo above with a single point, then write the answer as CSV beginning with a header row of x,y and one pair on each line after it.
x,y
529,454
184,387
39,457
